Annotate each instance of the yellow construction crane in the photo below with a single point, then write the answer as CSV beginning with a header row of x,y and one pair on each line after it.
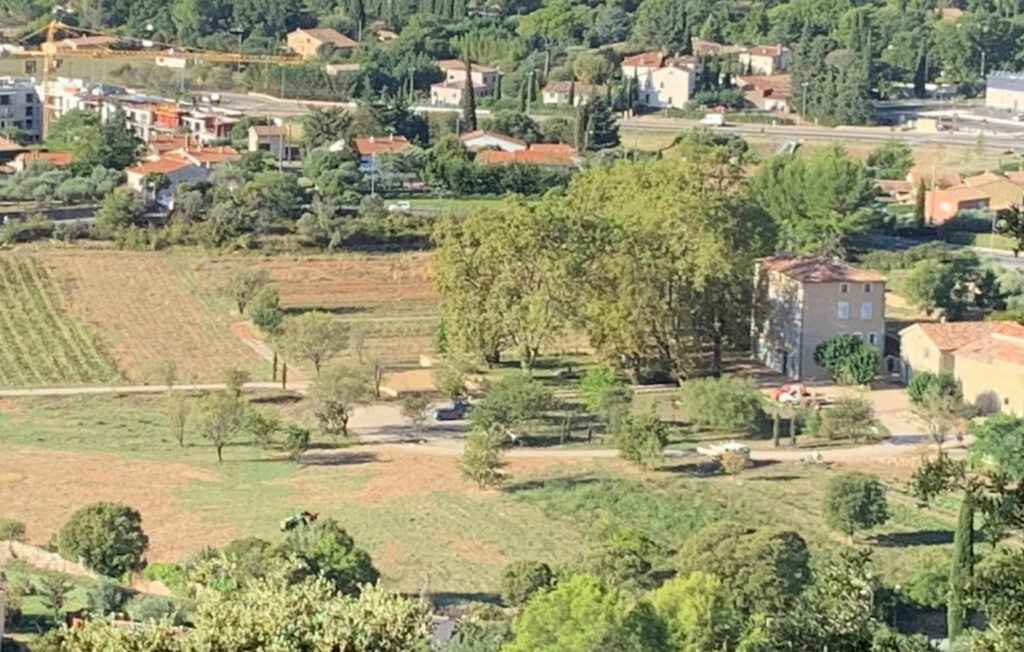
x,y
51,50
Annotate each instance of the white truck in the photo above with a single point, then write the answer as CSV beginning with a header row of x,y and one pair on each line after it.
x,y
713,120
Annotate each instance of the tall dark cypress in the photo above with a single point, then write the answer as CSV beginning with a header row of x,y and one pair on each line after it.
x,y
962,568
469,100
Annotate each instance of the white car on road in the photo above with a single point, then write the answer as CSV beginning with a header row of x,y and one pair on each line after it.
x,y
400,207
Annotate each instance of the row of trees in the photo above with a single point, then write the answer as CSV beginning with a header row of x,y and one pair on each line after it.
x,y
652,259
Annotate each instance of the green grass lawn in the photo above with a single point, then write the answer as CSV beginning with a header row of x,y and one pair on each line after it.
x,y
423,524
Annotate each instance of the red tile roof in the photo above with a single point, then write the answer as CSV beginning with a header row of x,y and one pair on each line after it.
x,y
539,154
949,336
993,348
983,178
645,60
960,194
818,269
209,155
163,165
367,145
455,64
59,159
765,50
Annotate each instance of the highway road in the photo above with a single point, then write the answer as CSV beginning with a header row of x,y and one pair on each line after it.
x,y
1014,141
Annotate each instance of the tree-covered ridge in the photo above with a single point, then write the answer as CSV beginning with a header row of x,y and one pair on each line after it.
x,y
844,51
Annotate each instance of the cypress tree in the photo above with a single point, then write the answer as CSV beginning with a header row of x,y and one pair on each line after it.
x,y
602,128
962,567
469,100
919,217
572,93
522,98
579,137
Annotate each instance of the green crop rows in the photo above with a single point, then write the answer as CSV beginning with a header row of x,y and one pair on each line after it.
x,y
40,344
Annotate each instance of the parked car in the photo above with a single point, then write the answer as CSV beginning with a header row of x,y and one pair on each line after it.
x,y
399,207
454,411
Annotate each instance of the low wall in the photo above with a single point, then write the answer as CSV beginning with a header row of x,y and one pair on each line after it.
x,y
40,558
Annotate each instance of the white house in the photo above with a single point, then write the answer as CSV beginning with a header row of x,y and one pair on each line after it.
x,y
479,139
764,59
175,171
661,81
449,91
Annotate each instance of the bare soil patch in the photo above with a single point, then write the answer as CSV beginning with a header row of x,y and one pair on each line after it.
x,y
145,313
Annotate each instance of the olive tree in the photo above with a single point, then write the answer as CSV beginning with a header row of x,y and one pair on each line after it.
x,y
105,537
243,285
855,501
315,336
334,394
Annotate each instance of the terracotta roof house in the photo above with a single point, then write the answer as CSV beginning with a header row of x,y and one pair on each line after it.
x,y
764,59
767,92
545,154
449,92
986,357
370,147
558,92
176,170
802,301
208,156
58,159
1002,193
307,42
982,179
943,204
651,59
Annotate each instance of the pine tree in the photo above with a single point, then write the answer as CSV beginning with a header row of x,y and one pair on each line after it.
x,y
469,100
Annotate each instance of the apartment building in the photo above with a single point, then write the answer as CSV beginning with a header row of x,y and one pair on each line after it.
x,y
802,301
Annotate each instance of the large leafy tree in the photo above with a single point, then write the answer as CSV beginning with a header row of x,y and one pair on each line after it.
x,y
581,614
667,253
662,25
503,276
817,201
106,537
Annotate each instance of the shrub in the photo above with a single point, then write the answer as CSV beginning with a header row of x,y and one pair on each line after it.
x,y
521,579
265,309
104,598
142,608
622,558
922,382
105,537
734,462
855,501
11,530
849,418
848,359
765,569
171,575
727,403
929,585
642,440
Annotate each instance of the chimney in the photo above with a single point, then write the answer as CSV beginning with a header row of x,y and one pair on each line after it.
x,y
372,138
391,137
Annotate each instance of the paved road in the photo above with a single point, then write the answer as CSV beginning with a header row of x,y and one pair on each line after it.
x,y
267,105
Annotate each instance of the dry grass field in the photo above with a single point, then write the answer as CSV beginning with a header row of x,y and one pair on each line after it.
x,y
145,313
388,300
